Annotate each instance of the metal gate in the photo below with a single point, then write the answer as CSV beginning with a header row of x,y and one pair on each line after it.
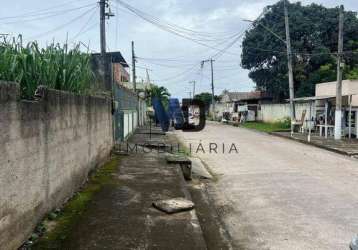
x,y
125,113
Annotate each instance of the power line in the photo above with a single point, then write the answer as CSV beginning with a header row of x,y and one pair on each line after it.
x,y
171,25
183,74
57,13
220,53
163,59
174,29
82,29
39,12
170,66
63,25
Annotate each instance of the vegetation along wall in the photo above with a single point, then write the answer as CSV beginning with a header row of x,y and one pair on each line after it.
x,y
47,148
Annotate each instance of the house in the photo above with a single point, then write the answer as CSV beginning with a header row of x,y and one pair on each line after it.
x,y
236,103
323,104
129,110
349,103
119,67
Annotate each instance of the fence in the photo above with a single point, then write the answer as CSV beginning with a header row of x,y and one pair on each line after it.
x,y
130,112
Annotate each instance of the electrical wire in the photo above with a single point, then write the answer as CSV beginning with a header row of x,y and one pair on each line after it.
x,y
63,25
42,12
237,38
174,29
58,13
171,25
83,29
170,66
181,75
163,59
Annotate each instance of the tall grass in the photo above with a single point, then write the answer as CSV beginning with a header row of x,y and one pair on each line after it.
x,y
54,66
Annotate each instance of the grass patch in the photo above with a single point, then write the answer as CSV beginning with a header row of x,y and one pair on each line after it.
x,y
60,228
267,127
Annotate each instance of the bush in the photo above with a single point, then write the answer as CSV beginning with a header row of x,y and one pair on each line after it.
x,y
284,123
53,66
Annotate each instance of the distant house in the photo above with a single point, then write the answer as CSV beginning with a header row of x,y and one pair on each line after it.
x,y
118,66
235,103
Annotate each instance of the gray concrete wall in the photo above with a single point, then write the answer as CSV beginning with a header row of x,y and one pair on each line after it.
x,y
277,112
47,148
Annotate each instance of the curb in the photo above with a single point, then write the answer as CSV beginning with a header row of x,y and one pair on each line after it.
x,y
355,156
314,145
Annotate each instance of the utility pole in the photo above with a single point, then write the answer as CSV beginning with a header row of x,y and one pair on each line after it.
x,y
338,113
212,83
102,13
193,82
212,87
290,70
134,77
106,66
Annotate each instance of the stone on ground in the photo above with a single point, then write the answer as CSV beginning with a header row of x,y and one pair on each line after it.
x,y
175,205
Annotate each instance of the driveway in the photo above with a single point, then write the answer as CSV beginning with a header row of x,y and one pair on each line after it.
x,y
276,193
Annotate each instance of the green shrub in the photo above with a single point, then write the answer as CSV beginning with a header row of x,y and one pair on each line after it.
x,y
284,123
53,66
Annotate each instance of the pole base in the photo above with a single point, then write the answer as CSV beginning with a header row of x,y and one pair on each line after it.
x,y
338,125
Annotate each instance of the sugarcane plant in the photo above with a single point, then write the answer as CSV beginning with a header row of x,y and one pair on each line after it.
x,y
54,66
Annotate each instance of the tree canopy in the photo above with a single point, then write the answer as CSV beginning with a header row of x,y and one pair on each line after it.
x,y
157,91
314,39
206,98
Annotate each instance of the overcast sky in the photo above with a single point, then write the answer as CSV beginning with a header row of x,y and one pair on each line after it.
x,y
219,16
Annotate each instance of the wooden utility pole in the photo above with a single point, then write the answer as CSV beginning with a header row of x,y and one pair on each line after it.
x,y
102,13
105,60
212,83
193,82
134,77
290,69
338,113
212,87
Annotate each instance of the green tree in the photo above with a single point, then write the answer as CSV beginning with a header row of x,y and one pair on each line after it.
x,y
158,91
206,98
314,34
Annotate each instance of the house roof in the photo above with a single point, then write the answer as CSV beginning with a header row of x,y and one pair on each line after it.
x,y
245,96
235,96
314,98
116,58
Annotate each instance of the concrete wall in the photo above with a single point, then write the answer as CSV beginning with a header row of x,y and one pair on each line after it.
x,y
47,148
276,112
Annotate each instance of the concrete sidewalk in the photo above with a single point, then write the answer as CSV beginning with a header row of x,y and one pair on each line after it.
x,y
121,215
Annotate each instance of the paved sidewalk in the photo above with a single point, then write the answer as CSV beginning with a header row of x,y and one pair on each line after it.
x,y
121,216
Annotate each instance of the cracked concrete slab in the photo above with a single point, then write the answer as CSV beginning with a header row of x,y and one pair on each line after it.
x,y
121,215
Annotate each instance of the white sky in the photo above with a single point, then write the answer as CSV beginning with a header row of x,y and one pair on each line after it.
x,y
151,42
